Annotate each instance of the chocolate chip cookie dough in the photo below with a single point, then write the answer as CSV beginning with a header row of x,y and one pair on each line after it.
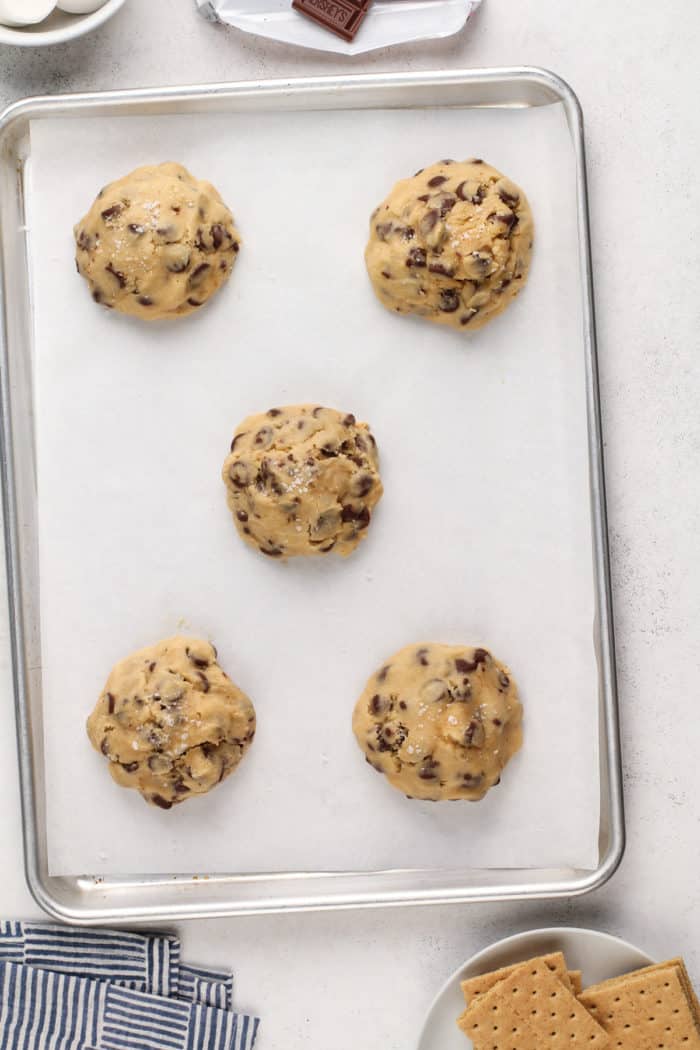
x,y
302,480
451,244
440,721
170,723
157,243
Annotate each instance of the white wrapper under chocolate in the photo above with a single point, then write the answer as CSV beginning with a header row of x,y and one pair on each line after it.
x,y
482,537
388,22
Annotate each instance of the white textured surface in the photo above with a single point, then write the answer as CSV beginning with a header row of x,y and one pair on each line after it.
x,y
339,982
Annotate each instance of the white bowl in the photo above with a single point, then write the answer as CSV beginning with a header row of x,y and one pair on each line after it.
x,y
59,27
598,955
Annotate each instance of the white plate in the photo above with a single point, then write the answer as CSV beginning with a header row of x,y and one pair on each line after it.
x,y
598,955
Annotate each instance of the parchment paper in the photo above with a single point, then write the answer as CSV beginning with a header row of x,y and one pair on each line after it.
x,y
483,535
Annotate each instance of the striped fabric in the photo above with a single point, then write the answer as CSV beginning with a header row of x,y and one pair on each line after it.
x,y
45,1010
210,987
143,962
73,989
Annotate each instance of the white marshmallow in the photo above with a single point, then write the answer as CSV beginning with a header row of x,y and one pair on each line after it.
x,y
25,12
80,7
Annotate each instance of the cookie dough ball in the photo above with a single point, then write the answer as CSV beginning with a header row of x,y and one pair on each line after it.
x,y
451,244
440,721
302,480
157,243
170,723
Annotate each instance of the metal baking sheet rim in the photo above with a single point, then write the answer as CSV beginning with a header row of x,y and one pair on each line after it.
x,y
90,900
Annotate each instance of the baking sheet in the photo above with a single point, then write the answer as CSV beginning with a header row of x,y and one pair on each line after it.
x,y
483,534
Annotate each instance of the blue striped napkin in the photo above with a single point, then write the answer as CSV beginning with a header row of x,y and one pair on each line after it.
x,y
74,989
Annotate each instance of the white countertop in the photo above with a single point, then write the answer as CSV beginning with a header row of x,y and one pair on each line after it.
x,y
365,979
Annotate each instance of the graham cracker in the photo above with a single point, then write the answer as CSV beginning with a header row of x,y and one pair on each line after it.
x,y
576,981
678,964
646,1010
473,987
531,1009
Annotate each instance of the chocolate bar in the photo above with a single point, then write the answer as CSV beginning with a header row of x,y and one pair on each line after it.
x,y
342,17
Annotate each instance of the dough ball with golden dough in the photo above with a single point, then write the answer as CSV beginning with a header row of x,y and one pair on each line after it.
x,y
170,723
156,244
452,244
302,480
440,721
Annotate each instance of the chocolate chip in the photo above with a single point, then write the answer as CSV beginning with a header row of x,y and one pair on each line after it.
x,y
428,769
466,192
419,172
379,704
474,735
416,257
328,450
97,295
503,679
272,552
112,212
363,518
497,721
217,234
317,411
239,475
446,205
465,666
349,420
195,302
424,198
437,180
482,656
384,274
422,657
152,666
180,787
391,736
512,199
407,232
449,300
235,246
129,767
348,513
428,221
104,746
179,265
110,704
328,547
272,412
475,160
238,438
241,515
116,273
197,275
403,705
508,219
363,485
158,800
383,229
466,318
145,300
84,241
198,661
472,780
204,680
444,271
207,749
381,676
264,436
